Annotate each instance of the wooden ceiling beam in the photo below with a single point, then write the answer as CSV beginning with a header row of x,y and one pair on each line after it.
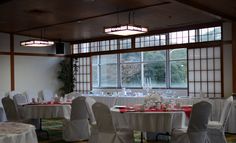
x,y
210,11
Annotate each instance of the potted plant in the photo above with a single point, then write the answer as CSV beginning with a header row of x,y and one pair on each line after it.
x,y
66,76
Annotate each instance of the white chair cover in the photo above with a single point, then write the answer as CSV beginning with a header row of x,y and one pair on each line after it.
x,y
72,95
47,95
197,128
11,110
20,99
106,130
2,112
93,125
89,103
216,129
77,128
13,93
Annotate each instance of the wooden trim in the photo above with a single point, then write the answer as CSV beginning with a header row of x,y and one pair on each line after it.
x,y
234,55
222,70
164,47
33,54
5,53
12,62
38,54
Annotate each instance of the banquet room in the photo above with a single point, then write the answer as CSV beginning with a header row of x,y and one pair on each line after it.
x,y
113,71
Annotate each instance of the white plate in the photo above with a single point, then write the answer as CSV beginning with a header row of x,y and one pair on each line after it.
x,y
119,106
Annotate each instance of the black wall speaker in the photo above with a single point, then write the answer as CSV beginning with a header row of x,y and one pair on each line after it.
x,y
59,48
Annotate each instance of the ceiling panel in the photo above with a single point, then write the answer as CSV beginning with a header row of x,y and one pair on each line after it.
x,y
85,19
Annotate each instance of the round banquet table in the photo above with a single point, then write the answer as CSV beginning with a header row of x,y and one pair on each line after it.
x,y
149,121
12,132
45,111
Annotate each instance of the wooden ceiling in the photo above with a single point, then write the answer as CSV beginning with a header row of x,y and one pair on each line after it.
x,y
72,20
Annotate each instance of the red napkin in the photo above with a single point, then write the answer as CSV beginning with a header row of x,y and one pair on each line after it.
x,y
187,111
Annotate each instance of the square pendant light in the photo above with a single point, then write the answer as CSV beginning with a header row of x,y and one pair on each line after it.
x,y
125,30
36,43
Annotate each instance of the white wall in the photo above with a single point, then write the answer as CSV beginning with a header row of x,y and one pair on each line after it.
x,y
5,81
32,73
36,73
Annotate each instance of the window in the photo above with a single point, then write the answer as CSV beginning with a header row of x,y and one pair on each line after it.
x,y
204,67
157,40
155,67
210,34
108,71
178,68
196,70
125,43
134,70
82,74
95,71
130,65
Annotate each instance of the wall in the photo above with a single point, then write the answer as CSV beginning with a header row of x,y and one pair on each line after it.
x,y
34,70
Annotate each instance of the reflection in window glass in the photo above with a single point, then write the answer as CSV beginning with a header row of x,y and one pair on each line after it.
x,y
130,57
95,75
178,67
177,54
95,72
131,75
156,73
105,59
154,56
108,75
178,73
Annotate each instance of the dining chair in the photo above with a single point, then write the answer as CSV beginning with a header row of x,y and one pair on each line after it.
x,y
11,94
197,128
20,99
107,133
216,129
11,109
77,127
72,95
92,121
12,112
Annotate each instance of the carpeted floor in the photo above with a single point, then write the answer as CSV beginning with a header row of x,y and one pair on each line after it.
x,y
54,127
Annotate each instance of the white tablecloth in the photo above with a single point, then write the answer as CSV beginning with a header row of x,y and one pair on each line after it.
x,y
149,121
46,111
11,132
216,103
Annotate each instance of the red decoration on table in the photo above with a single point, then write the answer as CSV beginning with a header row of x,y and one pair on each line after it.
x,y
187,110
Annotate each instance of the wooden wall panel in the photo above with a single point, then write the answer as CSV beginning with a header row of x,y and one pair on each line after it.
x,y
234,55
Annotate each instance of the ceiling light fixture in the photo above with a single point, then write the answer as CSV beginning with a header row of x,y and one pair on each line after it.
x,y
37,42
126,30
